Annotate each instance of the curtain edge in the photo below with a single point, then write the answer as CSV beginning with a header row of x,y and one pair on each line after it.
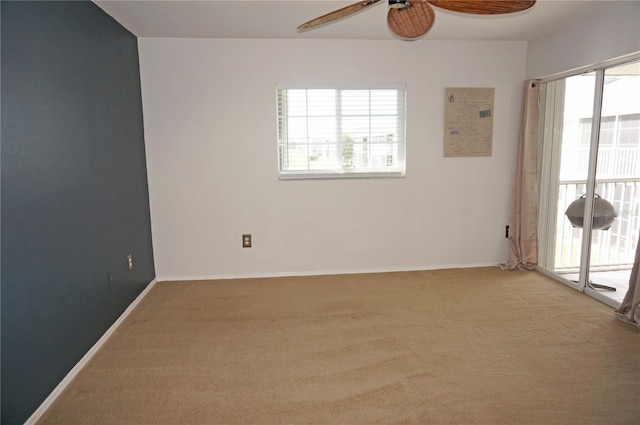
x,y
517,267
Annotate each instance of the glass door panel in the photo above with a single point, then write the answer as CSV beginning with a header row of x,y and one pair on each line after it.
x,y
616,210
571,171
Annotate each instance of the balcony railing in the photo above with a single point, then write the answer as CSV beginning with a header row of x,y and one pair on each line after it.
x,y
611,249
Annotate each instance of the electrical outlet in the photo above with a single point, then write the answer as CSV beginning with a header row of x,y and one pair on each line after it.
x,y
246,240
129,262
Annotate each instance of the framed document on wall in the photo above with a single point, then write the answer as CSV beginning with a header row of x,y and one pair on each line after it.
x,y
468,121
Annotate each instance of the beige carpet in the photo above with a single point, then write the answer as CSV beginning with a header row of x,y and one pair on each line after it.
x,y
463,346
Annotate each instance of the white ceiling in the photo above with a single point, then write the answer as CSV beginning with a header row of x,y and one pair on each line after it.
x,y
279,19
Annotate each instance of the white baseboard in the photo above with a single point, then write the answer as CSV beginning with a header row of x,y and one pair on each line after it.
x,y
170,278
40,411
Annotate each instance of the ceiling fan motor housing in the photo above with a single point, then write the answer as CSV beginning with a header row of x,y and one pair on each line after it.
x,y
399,4
604,213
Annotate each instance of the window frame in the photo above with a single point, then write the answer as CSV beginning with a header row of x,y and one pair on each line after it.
x,y
398,171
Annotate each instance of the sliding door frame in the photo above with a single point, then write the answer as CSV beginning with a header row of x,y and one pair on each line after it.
x,y
587,230
553,99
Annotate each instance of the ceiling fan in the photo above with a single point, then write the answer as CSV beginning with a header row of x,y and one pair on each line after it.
x,y
411,19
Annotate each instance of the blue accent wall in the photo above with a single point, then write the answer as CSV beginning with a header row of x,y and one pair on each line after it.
x,y
74,197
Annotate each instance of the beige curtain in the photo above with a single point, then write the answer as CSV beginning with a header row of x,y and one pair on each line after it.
x,y
629,311
523,222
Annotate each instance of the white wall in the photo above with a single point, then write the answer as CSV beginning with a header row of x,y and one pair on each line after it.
x,y
210,129
597,39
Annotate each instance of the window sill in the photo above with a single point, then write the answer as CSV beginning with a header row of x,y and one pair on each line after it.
x,y
343,176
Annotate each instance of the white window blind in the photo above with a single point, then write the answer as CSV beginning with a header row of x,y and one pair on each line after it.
x,y
325,133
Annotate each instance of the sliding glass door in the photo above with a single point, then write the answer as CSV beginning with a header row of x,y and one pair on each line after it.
x,y
565,172
617,181
590,180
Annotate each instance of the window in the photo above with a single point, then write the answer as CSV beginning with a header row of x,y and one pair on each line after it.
x,y
585,132
607,131
627,135
630,130
324,133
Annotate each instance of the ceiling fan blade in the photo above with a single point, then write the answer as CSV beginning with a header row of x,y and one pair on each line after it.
x,y
484,7
412,21
337,14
